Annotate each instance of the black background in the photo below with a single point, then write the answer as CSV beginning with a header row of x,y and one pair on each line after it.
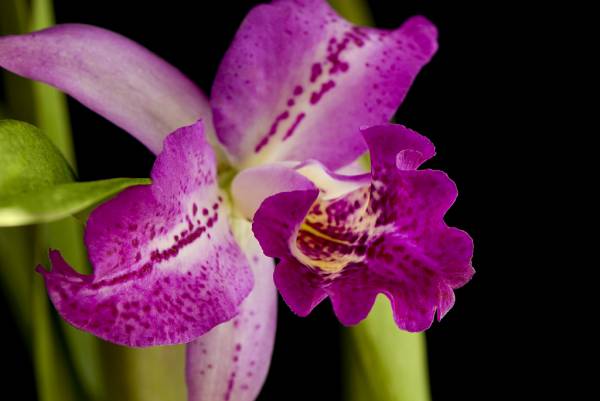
x,y
463,101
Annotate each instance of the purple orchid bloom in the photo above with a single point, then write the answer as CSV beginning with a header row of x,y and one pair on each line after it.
x,y
286,108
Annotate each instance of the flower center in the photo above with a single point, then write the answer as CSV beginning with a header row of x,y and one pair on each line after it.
x,y
335,232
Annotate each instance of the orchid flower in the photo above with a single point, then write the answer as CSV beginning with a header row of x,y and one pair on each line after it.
x,y
176,261
350,237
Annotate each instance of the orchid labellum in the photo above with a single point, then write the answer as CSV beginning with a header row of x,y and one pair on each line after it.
x,y
298,97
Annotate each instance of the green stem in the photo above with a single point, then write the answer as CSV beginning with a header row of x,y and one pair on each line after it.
x,y
383,363
145,374
46,108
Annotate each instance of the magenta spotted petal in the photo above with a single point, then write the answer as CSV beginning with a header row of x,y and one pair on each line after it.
x,y
384,237
299,81
166,266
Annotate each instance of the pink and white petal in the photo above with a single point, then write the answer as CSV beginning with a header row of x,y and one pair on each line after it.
x,y
112,75
298,82
231,361
253,185
166,266
358,166
332,184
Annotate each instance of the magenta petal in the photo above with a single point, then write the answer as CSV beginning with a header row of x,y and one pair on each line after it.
x,y
415,282
231,361
394,146
298,82
412,199
299,286
278,219
352,294
166,267
111,75
446,303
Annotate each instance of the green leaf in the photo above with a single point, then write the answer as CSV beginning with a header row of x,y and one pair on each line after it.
x,y
35,179
59,201
383,363
28,160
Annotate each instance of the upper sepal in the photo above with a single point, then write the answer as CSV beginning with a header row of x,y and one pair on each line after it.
x,y
299,81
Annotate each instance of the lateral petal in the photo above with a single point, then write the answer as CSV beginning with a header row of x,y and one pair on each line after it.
x,y
166,266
